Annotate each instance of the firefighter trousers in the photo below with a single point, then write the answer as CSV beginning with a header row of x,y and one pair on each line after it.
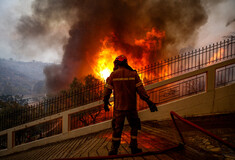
x,y
118,123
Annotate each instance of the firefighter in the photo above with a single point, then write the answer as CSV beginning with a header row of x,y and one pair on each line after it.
x,y
125,82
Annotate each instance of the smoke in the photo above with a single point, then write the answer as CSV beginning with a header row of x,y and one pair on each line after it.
x,y
220,23
87,22
230,22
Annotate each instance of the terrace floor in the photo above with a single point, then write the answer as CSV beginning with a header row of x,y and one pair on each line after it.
x,y
154,136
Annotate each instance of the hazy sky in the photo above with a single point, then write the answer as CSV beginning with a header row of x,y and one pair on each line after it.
x,y
217,24
10,13
11,10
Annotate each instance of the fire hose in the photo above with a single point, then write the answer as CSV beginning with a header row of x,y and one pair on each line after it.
x,y
198,128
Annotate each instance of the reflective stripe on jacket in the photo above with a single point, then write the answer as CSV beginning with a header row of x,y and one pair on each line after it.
x,y
125,84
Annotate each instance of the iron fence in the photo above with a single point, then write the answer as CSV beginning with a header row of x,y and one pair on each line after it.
x,y
39,131
176,90
150,74
3,141
57,104
225,75
89,116
188,62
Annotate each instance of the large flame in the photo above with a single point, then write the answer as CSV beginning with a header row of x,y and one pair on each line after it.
x,y
104,60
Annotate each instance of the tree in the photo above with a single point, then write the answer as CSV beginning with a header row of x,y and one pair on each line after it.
x,y
91,80
12,111
76,84
12,100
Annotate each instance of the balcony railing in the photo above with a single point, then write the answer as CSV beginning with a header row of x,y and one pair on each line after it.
x,y
188,62
225,75
40,131
3,141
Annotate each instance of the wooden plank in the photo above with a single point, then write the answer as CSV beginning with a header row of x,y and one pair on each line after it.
x,y
38,152
64,148
167,134
80,143
195,154
157,142
59,149
150,157
148,143
185,154
44,151
92,151
73,144
103,138
126,139
103,149
85,140
164,157
140,144
85,151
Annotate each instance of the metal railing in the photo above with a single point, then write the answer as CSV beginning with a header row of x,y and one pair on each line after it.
x,y
89,116
57,104
39,131
188,62
225,75
3,141
150,74
176,90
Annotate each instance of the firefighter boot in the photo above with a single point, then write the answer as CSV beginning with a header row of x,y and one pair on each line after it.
x,y
114,148
134,146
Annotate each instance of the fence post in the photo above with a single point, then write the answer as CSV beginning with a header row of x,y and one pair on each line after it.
x,y
211,80
9,139
65,123
199,64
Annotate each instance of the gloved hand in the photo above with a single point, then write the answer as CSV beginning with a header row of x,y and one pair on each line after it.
x,y
106,106
152,106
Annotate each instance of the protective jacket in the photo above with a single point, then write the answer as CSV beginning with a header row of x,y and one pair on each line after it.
x,y
125,84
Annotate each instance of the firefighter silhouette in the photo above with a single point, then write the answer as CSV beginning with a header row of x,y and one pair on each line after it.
x,y
125,82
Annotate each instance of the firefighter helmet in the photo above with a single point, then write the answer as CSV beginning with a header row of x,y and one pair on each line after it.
x,y
121,61
121,58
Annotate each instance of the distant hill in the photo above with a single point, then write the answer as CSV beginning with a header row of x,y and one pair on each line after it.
x,y
21,78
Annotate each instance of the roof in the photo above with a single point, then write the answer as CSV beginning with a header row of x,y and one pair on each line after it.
x,y
154,136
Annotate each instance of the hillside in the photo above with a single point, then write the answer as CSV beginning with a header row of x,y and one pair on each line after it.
x,y
17,78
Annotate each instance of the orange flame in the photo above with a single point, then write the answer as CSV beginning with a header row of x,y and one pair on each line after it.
x,y
104,64
165,73
104,60
217,56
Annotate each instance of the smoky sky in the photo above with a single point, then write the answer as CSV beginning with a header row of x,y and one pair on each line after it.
x,y
89,21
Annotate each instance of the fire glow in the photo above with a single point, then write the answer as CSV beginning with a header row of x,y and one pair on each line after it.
x,y
108,52
217,56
